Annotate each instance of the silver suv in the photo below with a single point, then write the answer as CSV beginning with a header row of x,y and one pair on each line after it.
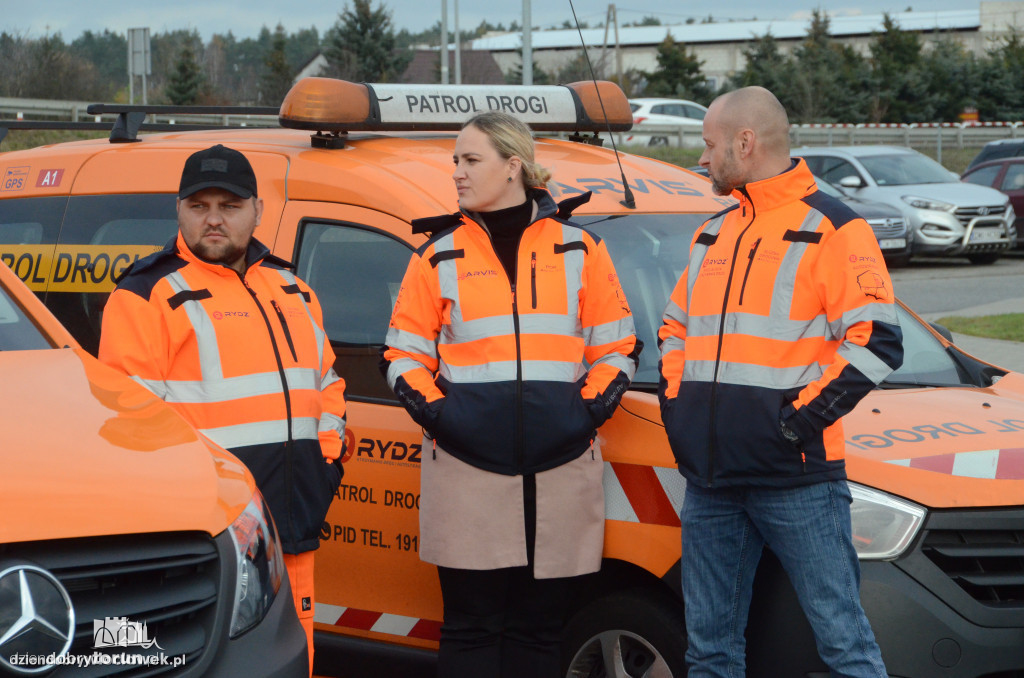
x,y
945,216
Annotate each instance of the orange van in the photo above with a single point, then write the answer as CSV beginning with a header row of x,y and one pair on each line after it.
x,y
935,458
129,545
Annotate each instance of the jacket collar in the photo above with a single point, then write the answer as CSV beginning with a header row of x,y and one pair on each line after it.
x,y
782,189
544,207
254,255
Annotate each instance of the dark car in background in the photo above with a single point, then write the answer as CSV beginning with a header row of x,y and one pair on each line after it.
x,y
994,150
1006,175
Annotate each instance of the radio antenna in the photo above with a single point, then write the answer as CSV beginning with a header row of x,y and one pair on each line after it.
x,y
627,200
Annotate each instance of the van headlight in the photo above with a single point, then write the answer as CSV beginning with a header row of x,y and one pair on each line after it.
x,y
260,565
928,204
883,525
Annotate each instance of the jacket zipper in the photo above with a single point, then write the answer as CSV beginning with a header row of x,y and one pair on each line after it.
x,y
519,383
284,326
533,277
287,403
750,263
718,355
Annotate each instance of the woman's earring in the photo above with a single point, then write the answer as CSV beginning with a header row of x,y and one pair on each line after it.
x,y
509,180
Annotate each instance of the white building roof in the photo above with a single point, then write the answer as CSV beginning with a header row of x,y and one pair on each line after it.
x,y
736,31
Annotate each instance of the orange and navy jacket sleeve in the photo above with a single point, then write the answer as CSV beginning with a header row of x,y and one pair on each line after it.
x,y
672,342
853,286
611,346
409,358
134,339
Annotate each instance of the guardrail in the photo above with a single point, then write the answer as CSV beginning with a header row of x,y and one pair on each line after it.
x,y
935,135
75,111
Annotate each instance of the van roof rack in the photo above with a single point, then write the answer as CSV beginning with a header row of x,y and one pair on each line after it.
x,y
131,120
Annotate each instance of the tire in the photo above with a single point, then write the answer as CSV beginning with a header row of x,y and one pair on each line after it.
x,y
984,258
658,141
627,634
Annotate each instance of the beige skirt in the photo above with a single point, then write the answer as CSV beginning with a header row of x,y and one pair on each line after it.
x,y
473,519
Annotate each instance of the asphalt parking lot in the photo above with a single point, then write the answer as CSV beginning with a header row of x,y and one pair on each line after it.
x,y
936,288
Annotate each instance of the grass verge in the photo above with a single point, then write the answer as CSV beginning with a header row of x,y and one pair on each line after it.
x,y
1008,326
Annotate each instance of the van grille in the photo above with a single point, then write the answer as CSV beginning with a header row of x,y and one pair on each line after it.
x,y
168,582
987,564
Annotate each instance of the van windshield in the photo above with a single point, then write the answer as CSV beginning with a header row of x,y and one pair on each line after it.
x,y
650,253
17,332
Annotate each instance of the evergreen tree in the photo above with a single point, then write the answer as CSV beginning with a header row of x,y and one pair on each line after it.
x,y
277,75
186,81
953,80
679,73
829,80
767,67
362,47
898,88
106,51
1001,81
301,47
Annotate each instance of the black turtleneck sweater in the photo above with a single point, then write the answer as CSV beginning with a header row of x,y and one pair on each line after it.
x,y
506,226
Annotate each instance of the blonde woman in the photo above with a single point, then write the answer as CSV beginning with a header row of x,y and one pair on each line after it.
x,y
510,344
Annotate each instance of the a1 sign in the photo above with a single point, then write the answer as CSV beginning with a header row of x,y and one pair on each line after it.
x,y
49,178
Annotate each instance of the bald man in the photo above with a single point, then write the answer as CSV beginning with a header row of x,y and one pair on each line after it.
x,y
782,321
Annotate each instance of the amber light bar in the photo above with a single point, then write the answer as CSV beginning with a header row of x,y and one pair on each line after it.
x,y
326,104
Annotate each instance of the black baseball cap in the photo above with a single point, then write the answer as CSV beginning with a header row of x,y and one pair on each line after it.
x,y
218,167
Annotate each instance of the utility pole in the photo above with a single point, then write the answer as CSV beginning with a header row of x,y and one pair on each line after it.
x,y
444,42
610,19
458,47
527,44
139,61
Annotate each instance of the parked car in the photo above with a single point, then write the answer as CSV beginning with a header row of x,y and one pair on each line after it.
x,y
945,216
886,221
1006,175
129,542
934,456
678,113
1001,148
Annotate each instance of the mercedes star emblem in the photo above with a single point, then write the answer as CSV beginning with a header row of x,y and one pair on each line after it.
x,y
36,617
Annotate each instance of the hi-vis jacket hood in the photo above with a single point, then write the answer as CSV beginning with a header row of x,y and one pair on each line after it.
x,y
784,313
498,373
246,361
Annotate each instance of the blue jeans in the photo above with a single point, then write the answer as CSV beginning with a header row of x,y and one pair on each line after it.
x,y
808,528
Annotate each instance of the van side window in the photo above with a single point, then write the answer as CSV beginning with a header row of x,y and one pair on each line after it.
x,y
28,232
356,273
103,235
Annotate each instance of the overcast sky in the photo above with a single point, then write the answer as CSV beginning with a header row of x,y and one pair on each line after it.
x,y
71,17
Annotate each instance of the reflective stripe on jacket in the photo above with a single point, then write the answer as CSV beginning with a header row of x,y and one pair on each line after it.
x,y
785,312
498,373
219,348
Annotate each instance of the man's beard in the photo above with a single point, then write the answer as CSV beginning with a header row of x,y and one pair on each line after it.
x,y
225,254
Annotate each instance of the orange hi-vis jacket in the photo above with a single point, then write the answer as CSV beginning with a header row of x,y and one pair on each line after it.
x,y
247,362
498,373
785,313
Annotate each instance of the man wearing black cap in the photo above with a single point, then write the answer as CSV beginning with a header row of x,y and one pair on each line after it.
x,y
225,333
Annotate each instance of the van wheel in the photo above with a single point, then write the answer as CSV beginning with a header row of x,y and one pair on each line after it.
x,y
984,258
627,634
658,141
